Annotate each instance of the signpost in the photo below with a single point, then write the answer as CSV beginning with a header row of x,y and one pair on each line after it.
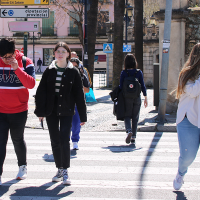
x,y
24,13
23,2
107,48
24,26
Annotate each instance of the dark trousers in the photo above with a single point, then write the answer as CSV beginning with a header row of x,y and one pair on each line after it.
x,y
15,123
59,131
134,116
39,68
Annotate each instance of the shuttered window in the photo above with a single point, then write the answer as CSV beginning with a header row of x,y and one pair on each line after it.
x,y
48,25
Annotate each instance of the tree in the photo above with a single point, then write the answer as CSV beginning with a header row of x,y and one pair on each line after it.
x,y
92,25
118,55
74,8
138,30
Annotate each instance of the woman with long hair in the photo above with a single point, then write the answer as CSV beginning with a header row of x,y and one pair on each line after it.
x,y
59,90
188,118
132,106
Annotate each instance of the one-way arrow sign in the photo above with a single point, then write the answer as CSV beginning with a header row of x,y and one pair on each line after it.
x,y
4,12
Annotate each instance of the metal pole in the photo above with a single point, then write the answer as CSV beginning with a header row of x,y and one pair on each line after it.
x,y
33,50
85,62
107,74
126,21
25,38
25,43
165,62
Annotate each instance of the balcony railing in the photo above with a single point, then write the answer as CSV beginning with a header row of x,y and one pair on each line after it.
x,y
48,31
73,31
101,30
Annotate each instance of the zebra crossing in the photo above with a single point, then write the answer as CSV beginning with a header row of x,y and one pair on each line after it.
x,y
105,168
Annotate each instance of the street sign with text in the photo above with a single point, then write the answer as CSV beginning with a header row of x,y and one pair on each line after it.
x,y
24,26
23,2
24,13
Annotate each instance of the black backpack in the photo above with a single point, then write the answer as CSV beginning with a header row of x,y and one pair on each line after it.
x,y
131,86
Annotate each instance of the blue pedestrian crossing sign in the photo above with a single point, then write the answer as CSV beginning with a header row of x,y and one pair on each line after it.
x,y
126,48
107,48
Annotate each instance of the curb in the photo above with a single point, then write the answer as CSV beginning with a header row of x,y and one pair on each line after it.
x,y
153,127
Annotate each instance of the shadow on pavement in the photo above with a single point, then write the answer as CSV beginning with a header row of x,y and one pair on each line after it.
x,y
180,195
45,190
156,139
6,185
122,148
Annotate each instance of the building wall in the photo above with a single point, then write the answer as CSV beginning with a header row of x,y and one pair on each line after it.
x,y
61,24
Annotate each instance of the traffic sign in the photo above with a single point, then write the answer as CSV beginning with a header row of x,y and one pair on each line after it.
x,y
24,13
23,2
24,26
107,48
126,48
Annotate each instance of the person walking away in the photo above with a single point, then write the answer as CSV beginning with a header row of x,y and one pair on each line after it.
x,y
39,64
76,128
14,95
132,106
188,114
59,90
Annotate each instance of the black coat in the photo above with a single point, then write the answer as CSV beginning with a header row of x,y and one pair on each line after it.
x,y
71,93
119,103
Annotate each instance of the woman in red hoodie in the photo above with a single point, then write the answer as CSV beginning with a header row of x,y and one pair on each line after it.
x,y
14,84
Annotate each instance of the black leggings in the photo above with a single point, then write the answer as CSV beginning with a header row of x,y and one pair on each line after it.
x,y
59,131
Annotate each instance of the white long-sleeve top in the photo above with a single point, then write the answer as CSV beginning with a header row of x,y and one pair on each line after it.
x,y
189,103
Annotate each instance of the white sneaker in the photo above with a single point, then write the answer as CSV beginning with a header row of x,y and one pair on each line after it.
x,y
59,176
75,146
178,181
22,174
66,180
0,181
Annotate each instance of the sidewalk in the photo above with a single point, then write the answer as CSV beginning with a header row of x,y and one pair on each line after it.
x,y
100,113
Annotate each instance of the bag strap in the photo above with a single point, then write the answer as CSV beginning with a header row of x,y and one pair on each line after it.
x,y
24,62
133,74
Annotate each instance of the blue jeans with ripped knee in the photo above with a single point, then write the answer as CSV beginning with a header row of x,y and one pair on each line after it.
x,y
189,139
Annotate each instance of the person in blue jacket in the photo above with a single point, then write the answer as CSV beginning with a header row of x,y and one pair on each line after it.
x,y
132,106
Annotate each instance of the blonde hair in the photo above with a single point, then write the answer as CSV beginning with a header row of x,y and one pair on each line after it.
x,y
190,70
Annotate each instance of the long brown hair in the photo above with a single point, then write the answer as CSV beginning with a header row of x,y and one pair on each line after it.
x,y
130,61
190,70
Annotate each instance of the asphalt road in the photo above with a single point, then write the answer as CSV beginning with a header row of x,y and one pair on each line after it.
x,y
105,167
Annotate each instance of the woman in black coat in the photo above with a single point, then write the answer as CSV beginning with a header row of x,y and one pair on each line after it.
x,y
132,106
59,90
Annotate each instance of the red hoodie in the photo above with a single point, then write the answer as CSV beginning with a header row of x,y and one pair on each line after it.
x,y
14,85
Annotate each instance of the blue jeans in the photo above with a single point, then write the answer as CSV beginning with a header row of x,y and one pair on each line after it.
x,y
76,127
189,138
15,123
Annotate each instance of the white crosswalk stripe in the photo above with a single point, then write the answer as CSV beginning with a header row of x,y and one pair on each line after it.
x,y
105,168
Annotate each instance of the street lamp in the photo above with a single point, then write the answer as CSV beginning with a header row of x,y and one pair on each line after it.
x,y
35,38
128,14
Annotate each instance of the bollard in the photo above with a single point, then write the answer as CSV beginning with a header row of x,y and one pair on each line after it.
x,y
156,75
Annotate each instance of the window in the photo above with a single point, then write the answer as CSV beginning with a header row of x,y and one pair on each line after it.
x,y
48,56
103,17
73,28
48,25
